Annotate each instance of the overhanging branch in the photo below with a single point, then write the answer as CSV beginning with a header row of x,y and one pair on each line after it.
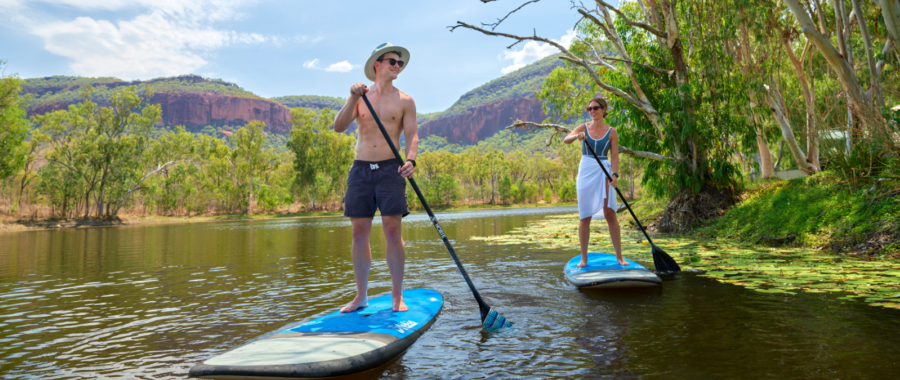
x,y
496,24
561,130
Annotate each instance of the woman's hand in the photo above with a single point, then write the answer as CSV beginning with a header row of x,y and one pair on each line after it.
x,y
581,136
615,182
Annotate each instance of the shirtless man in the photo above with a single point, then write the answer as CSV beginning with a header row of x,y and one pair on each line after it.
x,y
376,179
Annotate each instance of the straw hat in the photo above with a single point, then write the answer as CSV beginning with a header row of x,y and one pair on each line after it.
x,y
381,49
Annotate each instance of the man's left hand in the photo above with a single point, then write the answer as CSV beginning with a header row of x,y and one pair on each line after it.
x,y
406,170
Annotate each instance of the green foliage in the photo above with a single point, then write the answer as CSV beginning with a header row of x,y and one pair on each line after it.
x,y
567,191
104,148
13,126
318,152
313,102
819,210
548,195
505,189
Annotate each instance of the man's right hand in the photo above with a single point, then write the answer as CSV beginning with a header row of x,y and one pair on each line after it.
x,y
358,89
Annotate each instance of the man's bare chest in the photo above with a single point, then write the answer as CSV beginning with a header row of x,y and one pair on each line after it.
x,y
388,114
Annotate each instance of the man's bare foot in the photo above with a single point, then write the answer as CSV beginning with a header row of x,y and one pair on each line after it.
x,y
398,304
583,263
623,262
357,303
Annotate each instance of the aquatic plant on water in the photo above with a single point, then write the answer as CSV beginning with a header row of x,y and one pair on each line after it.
x,y
763,269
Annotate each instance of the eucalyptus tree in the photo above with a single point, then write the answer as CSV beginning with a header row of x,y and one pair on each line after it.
x,y
679,115
13,126
100,146
865,105
318,150
248,155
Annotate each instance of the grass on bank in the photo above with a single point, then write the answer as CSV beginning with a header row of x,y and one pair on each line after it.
x,y
818,211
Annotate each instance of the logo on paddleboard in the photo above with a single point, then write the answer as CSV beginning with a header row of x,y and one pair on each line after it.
x,y
403,326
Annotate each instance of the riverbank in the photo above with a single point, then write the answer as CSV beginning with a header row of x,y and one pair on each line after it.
x,y
12,224
819,212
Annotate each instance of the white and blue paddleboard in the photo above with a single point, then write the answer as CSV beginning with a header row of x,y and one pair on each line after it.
x,y
603,271
334,345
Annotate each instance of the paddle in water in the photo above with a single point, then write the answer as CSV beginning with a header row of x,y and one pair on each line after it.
x,y
490,319
661,260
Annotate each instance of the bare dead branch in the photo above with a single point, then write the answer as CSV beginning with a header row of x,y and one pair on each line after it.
x,y
561,130
496,24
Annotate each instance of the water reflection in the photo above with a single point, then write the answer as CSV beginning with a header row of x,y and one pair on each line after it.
x,y
149,302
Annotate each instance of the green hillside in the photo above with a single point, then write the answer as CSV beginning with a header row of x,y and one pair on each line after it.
x,y
522,82
67,89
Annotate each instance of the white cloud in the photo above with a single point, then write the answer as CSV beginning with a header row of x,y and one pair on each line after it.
x,y
170,37
533,51
313,64
339,67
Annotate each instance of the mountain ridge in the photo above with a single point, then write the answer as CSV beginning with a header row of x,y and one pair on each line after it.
x,y
196,102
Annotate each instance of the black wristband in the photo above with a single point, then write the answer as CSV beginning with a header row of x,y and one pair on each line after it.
x,y
616,174
413,161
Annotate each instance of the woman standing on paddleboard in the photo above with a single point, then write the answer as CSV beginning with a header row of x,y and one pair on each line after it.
x,y
596,194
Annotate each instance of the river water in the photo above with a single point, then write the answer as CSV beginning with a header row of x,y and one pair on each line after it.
x,y
151,301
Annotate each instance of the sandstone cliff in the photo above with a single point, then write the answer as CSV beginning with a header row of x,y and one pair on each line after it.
x,y
196,110
189,100
483,121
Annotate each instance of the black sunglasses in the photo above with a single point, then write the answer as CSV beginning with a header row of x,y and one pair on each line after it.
x,y
594,108
392,61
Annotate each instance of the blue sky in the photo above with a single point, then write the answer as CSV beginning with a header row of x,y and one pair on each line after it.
x,y
275,48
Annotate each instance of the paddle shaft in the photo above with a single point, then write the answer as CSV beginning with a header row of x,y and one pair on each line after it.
x,y
481,304
617,191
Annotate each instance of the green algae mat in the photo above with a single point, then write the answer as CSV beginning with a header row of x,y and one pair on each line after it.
x,y
767,270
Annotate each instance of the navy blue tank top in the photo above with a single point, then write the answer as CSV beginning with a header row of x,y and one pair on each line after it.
x,y
601,146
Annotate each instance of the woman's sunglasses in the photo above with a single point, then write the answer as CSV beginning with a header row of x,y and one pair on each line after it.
x,y
392,61
594,108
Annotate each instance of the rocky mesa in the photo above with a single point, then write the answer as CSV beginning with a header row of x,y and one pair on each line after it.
x,y
483,121
195,110
189,100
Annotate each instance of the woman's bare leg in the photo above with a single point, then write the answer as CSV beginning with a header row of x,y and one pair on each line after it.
x,y
614,234
584,237
613,222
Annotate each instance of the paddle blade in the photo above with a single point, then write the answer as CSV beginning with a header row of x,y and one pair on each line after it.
x,y
663,262
494,320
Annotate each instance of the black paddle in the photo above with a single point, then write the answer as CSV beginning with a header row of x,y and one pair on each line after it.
x,y
663,262
490,319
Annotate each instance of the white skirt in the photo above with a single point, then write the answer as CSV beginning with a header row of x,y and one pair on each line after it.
x,y
591,189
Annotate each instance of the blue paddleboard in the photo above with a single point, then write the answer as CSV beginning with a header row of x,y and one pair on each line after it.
x,y
334,345
603,271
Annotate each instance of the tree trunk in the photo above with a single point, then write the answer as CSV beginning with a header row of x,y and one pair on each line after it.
x,y
766,167
890,9
810,100
777,105
859,106
876,96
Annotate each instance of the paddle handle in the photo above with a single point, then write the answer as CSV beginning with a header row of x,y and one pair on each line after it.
x,y
591,149
482,306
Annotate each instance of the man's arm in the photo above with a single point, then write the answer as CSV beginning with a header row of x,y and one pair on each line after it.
x,y
348,112
411,131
